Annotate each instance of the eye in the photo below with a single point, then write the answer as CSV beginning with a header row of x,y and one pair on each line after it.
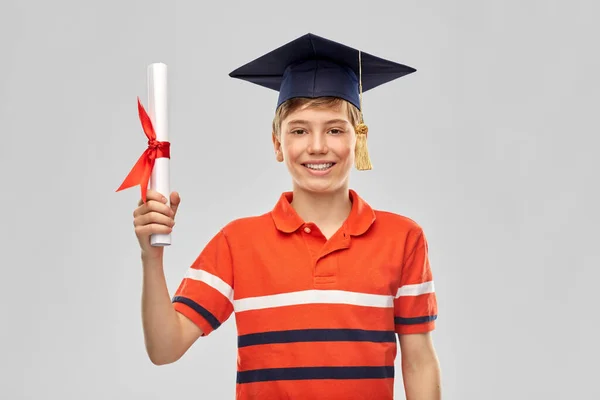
x,y
298,131
336,131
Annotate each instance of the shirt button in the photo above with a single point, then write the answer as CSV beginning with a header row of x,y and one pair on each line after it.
x,y
307,229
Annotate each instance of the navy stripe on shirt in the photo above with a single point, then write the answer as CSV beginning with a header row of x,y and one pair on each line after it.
x,y
303,373
415,320
316,335
212,320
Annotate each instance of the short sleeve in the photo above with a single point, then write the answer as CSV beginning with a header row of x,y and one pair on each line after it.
x,y
205,294
415,305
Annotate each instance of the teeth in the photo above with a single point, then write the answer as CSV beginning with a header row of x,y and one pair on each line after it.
x,y
319,166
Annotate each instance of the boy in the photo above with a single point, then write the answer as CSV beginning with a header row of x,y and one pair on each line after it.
x,y
321,285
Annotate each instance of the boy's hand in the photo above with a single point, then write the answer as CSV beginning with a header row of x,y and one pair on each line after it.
x,y
156,216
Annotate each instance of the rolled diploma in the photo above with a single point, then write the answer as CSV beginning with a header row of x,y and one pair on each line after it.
x,y
158,113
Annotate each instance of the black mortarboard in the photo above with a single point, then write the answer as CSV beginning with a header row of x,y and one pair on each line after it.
x,y
312,66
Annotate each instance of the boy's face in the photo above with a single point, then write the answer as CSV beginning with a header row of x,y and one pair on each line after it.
x,y
317,146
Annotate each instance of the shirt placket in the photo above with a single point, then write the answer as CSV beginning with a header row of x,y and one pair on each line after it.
x,y
322,254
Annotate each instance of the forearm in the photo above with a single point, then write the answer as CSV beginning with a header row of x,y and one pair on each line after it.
x,y
161,324
422,381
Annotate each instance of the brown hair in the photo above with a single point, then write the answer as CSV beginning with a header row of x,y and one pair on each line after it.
x,y
292,105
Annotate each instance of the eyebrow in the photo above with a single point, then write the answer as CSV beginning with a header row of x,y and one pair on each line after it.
x,y
305,122
337,121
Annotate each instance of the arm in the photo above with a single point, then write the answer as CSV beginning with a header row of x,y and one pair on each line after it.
x,y
415,312
420,367
167,333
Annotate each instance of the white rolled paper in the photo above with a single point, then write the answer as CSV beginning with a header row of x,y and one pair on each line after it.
x,y
158,113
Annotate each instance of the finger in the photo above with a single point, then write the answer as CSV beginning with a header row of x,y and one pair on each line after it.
x,y
175,201
146,230
143,208
153,218
153,195
153,205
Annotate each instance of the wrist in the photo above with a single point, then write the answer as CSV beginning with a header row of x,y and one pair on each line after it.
x,y
151,260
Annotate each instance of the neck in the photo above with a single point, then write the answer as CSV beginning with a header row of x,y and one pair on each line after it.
x,y
323,209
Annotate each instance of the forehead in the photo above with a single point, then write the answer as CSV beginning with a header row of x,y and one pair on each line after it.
x,y
318,113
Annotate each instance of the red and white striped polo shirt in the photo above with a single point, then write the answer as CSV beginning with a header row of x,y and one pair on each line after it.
x,y
316,318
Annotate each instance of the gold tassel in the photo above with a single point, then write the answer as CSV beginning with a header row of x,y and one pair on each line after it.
x,y
363,161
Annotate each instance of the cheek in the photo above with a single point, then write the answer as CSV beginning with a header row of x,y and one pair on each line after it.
x,y
345,148
291,149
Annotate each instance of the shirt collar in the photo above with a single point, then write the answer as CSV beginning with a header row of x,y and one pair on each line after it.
x,y
359,220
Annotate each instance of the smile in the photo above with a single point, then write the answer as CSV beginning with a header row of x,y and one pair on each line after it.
x,y
319,167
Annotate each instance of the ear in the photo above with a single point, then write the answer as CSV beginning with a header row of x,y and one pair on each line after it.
x,y
277,147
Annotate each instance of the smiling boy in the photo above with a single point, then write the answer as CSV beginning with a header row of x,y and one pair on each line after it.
x,y
322,283
315,139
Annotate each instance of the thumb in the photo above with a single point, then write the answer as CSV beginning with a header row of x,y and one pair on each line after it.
x,y
175,200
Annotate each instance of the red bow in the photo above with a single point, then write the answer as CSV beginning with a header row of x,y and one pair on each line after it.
x,y
141,171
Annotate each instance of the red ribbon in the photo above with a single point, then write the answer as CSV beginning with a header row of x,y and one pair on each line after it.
x,y
141,171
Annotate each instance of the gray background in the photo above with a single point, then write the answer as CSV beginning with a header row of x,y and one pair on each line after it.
x,y
491,146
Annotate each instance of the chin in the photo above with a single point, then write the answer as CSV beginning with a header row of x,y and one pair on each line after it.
x,y
319,187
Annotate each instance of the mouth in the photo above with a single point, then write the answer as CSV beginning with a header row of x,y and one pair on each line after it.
x,y
322,166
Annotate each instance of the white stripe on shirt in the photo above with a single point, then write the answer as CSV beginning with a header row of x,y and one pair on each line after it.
x,y
212,281
416,289
313,297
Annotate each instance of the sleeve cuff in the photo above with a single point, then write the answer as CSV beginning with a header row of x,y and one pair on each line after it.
x,y
408,328
200,316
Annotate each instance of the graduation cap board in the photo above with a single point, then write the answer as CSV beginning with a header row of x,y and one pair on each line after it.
x,y
312,66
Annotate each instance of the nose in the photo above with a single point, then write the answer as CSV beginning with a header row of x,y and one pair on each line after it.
x,y
318,144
